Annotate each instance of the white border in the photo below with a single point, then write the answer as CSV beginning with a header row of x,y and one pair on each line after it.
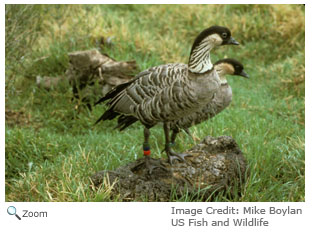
x,y
151,216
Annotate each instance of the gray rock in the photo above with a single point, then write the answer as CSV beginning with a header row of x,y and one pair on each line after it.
x,y
216,165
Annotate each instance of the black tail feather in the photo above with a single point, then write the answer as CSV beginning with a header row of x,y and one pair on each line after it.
x,y
111,94
108,115
125,121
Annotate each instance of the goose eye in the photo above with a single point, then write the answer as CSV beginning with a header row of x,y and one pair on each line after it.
x,y
224,35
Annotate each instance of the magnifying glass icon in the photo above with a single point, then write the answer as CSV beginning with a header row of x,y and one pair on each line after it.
x,y
12,211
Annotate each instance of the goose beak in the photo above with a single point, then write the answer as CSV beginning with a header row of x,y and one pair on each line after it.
x,y
244,74
232,41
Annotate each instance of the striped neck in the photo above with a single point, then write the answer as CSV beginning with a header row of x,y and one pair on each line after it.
x,y
200,56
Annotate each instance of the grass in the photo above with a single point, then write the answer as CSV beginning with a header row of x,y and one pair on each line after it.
x,y
51,151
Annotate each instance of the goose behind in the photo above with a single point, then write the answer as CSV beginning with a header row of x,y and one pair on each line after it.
x,y
221,100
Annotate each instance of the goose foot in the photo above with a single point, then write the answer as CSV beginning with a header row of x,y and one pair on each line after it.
x,y
150,164
172,155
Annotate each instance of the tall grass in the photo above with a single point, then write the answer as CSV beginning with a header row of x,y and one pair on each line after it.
x,y
51,151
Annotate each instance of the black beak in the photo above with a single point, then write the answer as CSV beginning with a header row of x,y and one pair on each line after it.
x,y
244,74
232,41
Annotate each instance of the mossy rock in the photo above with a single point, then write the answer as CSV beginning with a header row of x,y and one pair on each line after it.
x,y
215,165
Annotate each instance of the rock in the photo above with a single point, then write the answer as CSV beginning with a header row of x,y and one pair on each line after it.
x,y
92,74
216,165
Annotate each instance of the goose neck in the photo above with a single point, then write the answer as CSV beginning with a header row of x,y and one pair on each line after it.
x,y
199,61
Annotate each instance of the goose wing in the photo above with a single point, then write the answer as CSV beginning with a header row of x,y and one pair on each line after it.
x,y
143,96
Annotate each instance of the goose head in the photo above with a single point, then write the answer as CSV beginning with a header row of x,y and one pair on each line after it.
x,y
229,67
199,61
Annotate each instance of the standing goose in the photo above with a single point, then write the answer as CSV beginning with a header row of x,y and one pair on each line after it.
x,y
222,99
167,92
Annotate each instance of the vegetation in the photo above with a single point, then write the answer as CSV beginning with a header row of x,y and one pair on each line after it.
x,y
51,150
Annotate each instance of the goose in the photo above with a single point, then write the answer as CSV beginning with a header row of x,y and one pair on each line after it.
x,y
221,100
167,92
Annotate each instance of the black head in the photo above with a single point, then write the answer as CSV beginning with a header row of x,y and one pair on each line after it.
x,y
237,67
223,33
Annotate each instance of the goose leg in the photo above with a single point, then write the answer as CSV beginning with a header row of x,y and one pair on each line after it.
x,y
174,135
168,146
150,163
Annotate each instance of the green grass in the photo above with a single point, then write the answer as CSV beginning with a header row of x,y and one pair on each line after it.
x,y
51,151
